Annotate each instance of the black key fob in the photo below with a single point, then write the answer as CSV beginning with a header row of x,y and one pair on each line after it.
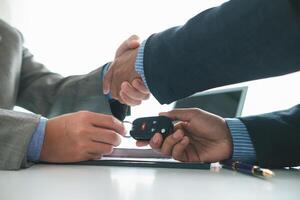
x,y
144,128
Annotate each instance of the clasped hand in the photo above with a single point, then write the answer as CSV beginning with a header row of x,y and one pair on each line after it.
x,y
121,79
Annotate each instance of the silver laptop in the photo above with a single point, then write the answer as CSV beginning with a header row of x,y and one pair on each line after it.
x,y
223,102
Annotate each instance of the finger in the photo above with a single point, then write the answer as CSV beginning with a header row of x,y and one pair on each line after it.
x,y
171,141
94,156
180,125
107,121
105,136
178,152
107,79
95,148
131,43
128,100
141,143
133,92
179,114
140,86
156,141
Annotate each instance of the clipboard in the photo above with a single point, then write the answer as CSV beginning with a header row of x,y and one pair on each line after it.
x,y
142,158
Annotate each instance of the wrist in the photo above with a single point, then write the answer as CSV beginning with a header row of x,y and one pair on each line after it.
x,y
242,145
228,142
50,141
135,74
139,63
102,74
37,140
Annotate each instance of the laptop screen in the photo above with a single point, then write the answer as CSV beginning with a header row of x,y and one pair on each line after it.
x,y
222,102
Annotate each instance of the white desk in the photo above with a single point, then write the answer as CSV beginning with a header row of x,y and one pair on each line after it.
x,y
43,182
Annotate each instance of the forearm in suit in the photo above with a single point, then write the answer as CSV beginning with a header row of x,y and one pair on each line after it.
x,y
276,137
238,41
15,134
29,84
50,94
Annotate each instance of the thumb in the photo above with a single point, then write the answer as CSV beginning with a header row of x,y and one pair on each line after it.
x,y
107,79
185,115
131,43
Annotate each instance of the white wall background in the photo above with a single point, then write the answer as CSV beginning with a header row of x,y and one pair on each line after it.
x,y
76,36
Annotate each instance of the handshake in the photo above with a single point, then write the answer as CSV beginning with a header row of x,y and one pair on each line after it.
x,y
121,79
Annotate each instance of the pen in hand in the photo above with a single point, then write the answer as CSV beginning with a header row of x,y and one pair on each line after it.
x,y
247,168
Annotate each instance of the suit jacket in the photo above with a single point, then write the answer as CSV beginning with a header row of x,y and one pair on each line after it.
x,y
29,84
238,41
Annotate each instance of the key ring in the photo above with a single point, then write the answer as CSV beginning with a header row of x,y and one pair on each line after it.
x,y
127,136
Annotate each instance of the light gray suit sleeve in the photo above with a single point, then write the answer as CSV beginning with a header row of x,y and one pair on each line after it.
x,y
47,94
16,132
50,94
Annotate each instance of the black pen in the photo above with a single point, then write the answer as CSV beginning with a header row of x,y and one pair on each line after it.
x,y
247,168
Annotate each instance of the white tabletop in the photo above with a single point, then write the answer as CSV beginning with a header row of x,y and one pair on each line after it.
x,y
43,182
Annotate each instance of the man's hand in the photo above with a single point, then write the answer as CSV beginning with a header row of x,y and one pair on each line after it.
x,y
80,136
199,137
121,79
134,93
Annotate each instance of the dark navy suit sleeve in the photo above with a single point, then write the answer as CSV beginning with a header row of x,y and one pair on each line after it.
x,y
276,137
238,41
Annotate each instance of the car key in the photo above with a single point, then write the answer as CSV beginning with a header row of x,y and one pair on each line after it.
x,y
144,128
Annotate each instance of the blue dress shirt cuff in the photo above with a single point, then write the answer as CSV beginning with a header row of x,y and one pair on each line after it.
x,y
243,149
139,62
37,140
104,71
